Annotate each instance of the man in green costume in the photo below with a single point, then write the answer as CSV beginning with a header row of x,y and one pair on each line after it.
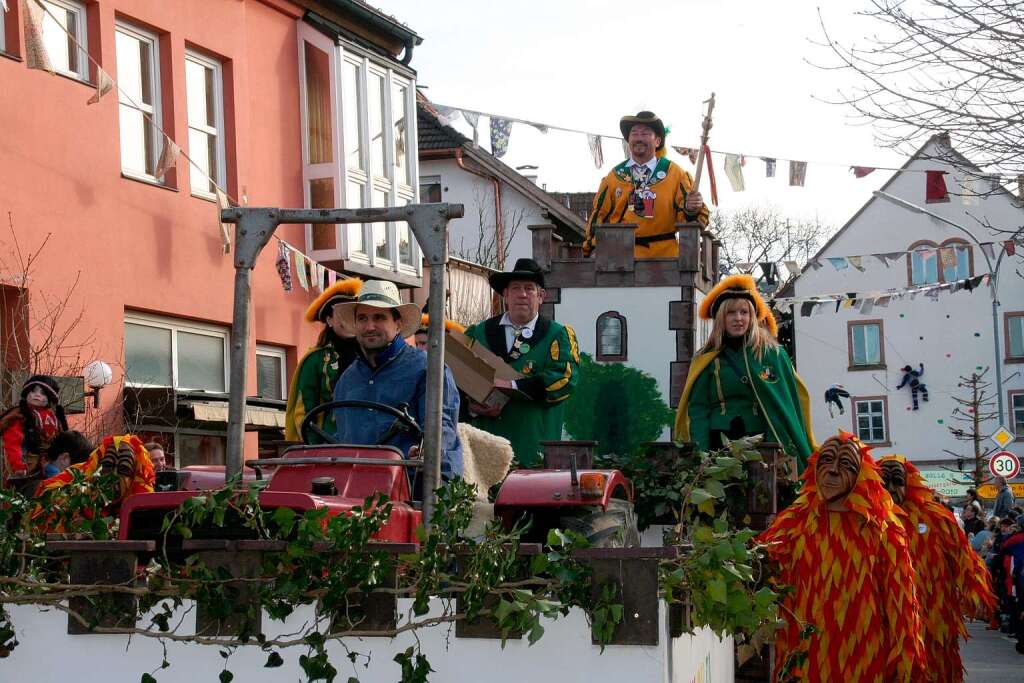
x,y
317,372
544,351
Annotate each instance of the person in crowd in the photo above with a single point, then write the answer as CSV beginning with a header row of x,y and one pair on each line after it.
x,y
972,499
422,331
390,371
544,351
157,456
742,383
972,520
647,190
999,575
950,578
982,540
1009,558
318,371
843,552
27,429
1004,498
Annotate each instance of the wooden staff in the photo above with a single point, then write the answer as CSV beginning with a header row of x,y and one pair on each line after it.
x,y
705,129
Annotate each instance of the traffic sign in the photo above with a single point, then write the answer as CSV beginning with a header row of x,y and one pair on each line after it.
x,y
1004,464
1002,436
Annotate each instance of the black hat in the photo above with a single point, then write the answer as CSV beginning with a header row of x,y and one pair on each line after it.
x,y
646,118
525,269
47,384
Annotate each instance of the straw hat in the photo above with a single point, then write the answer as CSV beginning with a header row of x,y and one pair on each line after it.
x,y
379,294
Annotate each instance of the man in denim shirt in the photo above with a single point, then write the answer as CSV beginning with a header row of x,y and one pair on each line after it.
x,y
392,372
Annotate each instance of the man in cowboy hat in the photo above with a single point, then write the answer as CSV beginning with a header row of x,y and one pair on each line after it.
x,y
319,370
390,371
648,190
544,351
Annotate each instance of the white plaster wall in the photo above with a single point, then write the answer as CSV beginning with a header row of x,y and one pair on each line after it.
x,y
651,345
476,193
952,335
564,653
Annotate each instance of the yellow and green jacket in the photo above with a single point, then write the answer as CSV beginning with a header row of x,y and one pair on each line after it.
x,y
670,184
551,368
313,383
775,402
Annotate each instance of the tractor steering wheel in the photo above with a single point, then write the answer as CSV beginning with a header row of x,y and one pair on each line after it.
x,y
401,414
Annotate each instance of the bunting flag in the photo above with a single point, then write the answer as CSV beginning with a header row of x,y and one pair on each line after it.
x,y
36,56
542,128
301,274
815,264
797,173
104,84
473,119
734,172
447,115
1009,247
711,175
501,129
744,267
769,270
839,262
947,257
793,267
935,187
284,266
688,152
969,195
596,153
866,302
319,272
769,167
168,157
225,228
866,305
861,171
855,261
989,249
4,4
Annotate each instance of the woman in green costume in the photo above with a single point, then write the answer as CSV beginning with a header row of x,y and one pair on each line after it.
x,y
742,383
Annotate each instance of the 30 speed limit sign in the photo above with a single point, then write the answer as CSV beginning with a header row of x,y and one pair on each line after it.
x,y
1004,464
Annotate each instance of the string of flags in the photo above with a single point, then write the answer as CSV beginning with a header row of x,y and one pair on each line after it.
x,y
308,273
947,258
866,302
501,130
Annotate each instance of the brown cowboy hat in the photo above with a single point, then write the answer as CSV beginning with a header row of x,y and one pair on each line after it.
x,y
525,269
647,118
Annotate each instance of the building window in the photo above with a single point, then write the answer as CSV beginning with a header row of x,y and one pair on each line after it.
x,y
271,372
64,24
960,260
871,419
923,263
866,350
204,95
1014,324
611,337
1017,413
165,352
430,189
359,139
138,78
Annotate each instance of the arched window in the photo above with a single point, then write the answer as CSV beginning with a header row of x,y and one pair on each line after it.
x,y
923,263
963,267
611,336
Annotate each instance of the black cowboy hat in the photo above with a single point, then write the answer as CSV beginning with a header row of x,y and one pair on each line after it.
x,y
647,118
525,269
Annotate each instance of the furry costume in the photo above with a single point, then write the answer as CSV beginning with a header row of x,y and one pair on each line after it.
x,y
125,455
951,578
852,578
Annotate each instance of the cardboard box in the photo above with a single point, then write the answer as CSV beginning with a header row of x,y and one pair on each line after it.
x,y
475,368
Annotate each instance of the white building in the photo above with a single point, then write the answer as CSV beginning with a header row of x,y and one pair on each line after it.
x,y
952,335
500,202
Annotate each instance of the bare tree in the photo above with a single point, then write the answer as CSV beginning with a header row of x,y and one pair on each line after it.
x,y
760,234
969,417
483,247
952,66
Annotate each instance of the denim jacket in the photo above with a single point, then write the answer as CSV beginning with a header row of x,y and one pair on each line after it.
x,y
400,377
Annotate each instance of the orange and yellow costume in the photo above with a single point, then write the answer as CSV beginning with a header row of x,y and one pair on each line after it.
x,y
951,578
125,455
852,579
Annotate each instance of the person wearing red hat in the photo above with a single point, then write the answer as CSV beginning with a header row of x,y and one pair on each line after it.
x,y
27,429
648,190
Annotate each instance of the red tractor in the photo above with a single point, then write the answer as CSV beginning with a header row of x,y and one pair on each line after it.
x,y
339,477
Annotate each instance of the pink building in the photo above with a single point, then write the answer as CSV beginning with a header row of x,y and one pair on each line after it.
x,y
282,103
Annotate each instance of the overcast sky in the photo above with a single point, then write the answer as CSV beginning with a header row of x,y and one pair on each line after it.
x,y
586,64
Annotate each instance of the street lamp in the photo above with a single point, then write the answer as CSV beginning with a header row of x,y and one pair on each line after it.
x,y
993,272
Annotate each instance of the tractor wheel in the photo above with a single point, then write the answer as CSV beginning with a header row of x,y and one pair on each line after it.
x,y
612,528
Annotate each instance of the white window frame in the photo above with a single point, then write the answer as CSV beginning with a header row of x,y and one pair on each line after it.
x,y
175,325
863,329
155,111
281,355
397,192
81,34
857,413
218,115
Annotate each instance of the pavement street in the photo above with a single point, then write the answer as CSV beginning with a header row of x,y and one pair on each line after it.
x,y
990,658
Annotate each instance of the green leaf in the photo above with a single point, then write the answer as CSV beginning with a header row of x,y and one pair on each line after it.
x,y
226,676
273,661
698,496
716,590
146,678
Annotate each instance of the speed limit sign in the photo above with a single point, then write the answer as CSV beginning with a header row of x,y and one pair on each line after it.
x,y
1004,464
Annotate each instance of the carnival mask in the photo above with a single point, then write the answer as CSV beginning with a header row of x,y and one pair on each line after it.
x,y
894,478
836,471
